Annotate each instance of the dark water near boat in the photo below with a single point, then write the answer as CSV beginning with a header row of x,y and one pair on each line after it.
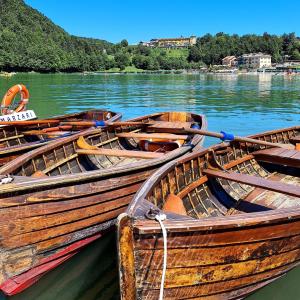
x,y
241,104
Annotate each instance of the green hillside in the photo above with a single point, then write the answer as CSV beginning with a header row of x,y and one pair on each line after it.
x,y
30,41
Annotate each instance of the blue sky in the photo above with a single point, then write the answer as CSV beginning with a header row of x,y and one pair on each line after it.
x,y
137,20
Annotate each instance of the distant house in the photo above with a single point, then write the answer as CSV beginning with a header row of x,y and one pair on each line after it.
x,y
146,44
255,60
180,42
229,61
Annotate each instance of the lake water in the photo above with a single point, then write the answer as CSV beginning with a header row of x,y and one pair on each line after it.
x,y
240,104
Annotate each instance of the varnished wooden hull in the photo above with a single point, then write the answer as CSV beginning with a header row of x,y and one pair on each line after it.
x,y
220,250
13,142
46,220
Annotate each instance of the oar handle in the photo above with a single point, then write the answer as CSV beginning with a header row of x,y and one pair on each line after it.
x,y
230,137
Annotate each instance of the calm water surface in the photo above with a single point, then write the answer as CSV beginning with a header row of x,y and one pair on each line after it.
x,y
241,104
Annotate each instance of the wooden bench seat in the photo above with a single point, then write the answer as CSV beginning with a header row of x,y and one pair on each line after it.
x,y
279,156
267,184
148,136
171,127
164,124
120,153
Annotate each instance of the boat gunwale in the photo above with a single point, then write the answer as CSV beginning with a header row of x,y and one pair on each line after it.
x,y
255,219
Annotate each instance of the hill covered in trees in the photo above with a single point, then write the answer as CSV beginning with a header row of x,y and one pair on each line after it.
x,y
31,41
211,49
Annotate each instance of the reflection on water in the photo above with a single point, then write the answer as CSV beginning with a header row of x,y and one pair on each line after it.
x,y
241,104
89,275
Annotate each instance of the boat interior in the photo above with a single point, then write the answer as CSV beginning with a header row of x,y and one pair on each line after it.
x,y
108,147
229,179
12,136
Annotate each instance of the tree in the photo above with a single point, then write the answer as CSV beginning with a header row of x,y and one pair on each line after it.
x,y
145,62
296,54
143,50
195,54
122,60
124,43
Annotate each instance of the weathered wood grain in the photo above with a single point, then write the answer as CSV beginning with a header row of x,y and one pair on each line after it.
x,y
241,233
78,197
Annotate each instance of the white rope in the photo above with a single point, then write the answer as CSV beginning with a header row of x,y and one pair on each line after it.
x,y
160,218
6,179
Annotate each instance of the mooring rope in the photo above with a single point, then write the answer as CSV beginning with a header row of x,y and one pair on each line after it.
x,y
160,218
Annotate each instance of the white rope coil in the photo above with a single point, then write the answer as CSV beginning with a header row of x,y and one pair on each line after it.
x,y
160,218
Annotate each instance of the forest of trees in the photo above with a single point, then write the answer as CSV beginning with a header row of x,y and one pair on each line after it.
x,y
211,49
29,41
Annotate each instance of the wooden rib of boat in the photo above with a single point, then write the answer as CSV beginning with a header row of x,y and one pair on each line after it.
x,y
17,139
62,197
232,220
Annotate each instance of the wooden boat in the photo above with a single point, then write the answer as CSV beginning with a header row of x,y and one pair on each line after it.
x,y
17,139
69,192
232,220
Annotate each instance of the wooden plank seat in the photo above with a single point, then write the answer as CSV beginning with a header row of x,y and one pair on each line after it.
x,y
170,127
267,184
148,136
121,153
164,124
279,156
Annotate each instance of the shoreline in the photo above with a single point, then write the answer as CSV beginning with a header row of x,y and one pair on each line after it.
x,y
8,75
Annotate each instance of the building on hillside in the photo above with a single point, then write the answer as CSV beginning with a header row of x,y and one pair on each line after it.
x,y
229,61
255,60
146,44
180,42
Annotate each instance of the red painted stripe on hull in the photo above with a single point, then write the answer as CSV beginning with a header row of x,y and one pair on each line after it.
x,y
21,282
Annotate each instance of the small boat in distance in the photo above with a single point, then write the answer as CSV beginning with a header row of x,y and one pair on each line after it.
x,y
216,224
18,139
62,196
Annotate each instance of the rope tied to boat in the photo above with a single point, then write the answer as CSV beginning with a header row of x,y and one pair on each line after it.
x,y
227,136
155,214
6,179
160,218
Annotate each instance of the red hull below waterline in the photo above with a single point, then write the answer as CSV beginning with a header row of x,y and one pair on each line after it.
x,y
21,282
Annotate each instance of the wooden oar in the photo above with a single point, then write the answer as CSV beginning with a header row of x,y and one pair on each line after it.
x,y
49,130
103,123
121,153
230,137
31,122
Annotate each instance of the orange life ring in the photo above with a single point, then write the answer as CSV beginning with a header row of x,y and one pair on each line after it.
x,y
10,96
